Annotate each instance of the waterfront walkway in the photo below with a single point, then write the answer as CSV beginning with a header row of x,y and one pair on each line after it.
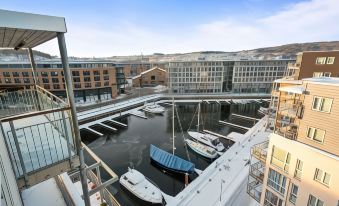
x,y
224,181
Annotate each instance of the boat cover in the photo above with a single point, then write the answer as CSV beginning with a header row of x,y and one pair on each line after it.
x,y
171,161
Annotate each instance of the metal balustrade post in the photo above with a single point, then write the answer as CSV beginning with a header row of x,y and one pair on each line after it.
x,y
73,117
35,76
17,146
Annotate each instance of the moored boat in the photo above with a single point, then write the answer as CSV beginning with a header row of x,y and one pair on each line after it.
x,y
141,187
201,149
153,108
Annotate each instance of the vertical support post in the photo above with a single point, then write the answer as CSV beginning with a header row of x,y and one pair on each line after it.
x,y
70,97
97,169
186,179
35,76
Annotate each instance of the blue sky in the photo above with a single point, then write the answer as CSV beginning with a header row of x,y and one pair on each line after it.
x,y
127,27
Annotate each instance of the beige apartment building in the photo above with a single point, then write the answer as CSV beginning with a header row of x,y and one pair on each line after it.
x,y
151,77
300,164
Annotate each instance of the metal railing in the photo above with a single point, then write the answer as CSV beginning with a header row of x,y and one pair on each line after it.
x,y
39,134
259,151
254,189
257,171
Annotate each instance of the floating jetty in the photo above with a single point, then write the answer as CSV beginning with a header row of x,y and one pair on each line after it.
x,y
234,125
245,117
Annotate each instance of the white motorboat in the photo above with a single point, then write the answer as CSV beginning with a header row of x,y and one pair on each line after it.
x,y
153,108
141,187
207,139
201,149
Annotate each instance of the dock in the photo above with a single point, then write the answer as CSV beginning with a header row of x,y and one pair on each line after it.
x,y
118,123
138,115
245,117
234,125
94,131
107,127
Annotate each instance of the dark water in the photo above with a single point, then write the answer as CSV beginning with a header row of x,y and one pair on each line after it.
x,y
130,146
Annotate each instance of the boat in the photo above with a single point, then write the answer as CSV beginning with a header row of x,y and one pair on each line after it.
x,y
201,149
153,108
207,139
170,161
141,187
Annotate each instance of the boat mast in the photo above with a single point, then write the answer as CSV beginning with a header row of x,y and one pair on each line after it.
x,y
198,117
173,146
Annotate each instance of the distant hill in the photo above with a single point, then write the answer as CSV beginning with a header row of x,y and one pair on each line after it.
x,y
288,51
21,55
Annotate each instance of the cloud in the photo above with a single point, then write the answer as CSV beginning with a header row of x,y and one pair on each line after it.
x,y
306,21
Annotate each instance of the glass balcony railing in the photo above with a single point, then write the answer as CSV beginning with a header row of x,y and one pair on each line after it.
x,y
37,130
259,151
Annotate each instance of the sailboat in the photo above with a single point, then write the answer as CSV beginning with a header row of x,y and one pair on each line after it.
x,y
202,149
153,108
169,161
141,187
207,139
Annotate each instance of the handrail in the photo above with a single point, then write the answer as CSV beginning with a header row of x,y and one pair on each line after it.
x,y
31,114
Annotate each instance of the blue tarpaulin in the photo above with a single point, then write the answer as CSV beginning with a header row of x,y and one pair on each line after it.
x,y
170,161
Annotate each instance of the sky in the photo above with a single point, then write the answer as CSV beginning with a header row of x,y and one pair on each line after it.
x,y
97,28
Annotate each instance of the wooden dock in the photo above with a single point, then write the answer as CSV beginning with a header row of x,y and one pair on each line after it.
x,y
234,125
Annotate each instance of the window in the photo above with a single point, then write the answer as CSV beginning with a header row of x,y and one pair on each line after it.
x,y
45,80
88,85
27,80
322,104
294,193
315,134
17,80
56,86
271,199
87,79
6,74
96,78
96,72
97,84
276,181
44,74
321,60
76,79
330,60
55,80
106,83
15,74
106,77
322,177
25,74
8,80
152,77
53,74
86,73
313,201
105,72
46,86
77,85
321,74
280,158
298,169
75,73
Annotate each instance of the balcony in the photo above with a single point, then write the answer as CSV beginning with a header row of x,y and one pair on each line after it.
x,y
38,134
289,131
259,151
257,171
254,189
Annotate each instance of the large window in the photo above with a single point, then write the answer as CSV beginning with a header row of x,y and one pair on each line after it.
x,y
322,177
54,74
330,60
315,134
322,104
298,169
294,193
75,73
271,199
87,79
280,158
25,74
321,60
6,74
313,201
276,181
86,73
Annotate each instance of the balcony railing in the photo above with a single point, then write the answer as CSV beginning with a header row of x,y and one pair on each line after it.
x,y
38,135
289,131
259,151
254,189
257,171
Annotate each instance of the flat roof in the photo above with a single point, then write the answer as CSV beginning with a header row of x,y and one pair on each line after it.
x,y
334,81
28,30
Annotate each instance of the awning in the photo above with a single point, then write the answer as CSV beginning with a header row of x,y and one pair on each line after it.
x,y
293,89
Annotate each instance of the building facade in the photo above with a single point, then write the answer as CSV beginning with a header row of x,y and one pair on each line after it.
x,y
257,76
200,76
151,77
300,164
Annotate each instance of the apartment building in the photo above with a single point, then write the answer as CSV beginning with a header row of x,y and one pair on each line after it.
x,y
200,76
300,164
257,76
151,77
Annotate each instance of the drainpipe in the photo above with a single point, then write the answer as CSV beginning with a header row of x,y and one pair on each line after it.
x,y
70,95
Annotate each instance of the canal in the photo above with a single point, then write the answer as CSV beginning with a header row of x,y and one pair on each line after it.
x,y
129,147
